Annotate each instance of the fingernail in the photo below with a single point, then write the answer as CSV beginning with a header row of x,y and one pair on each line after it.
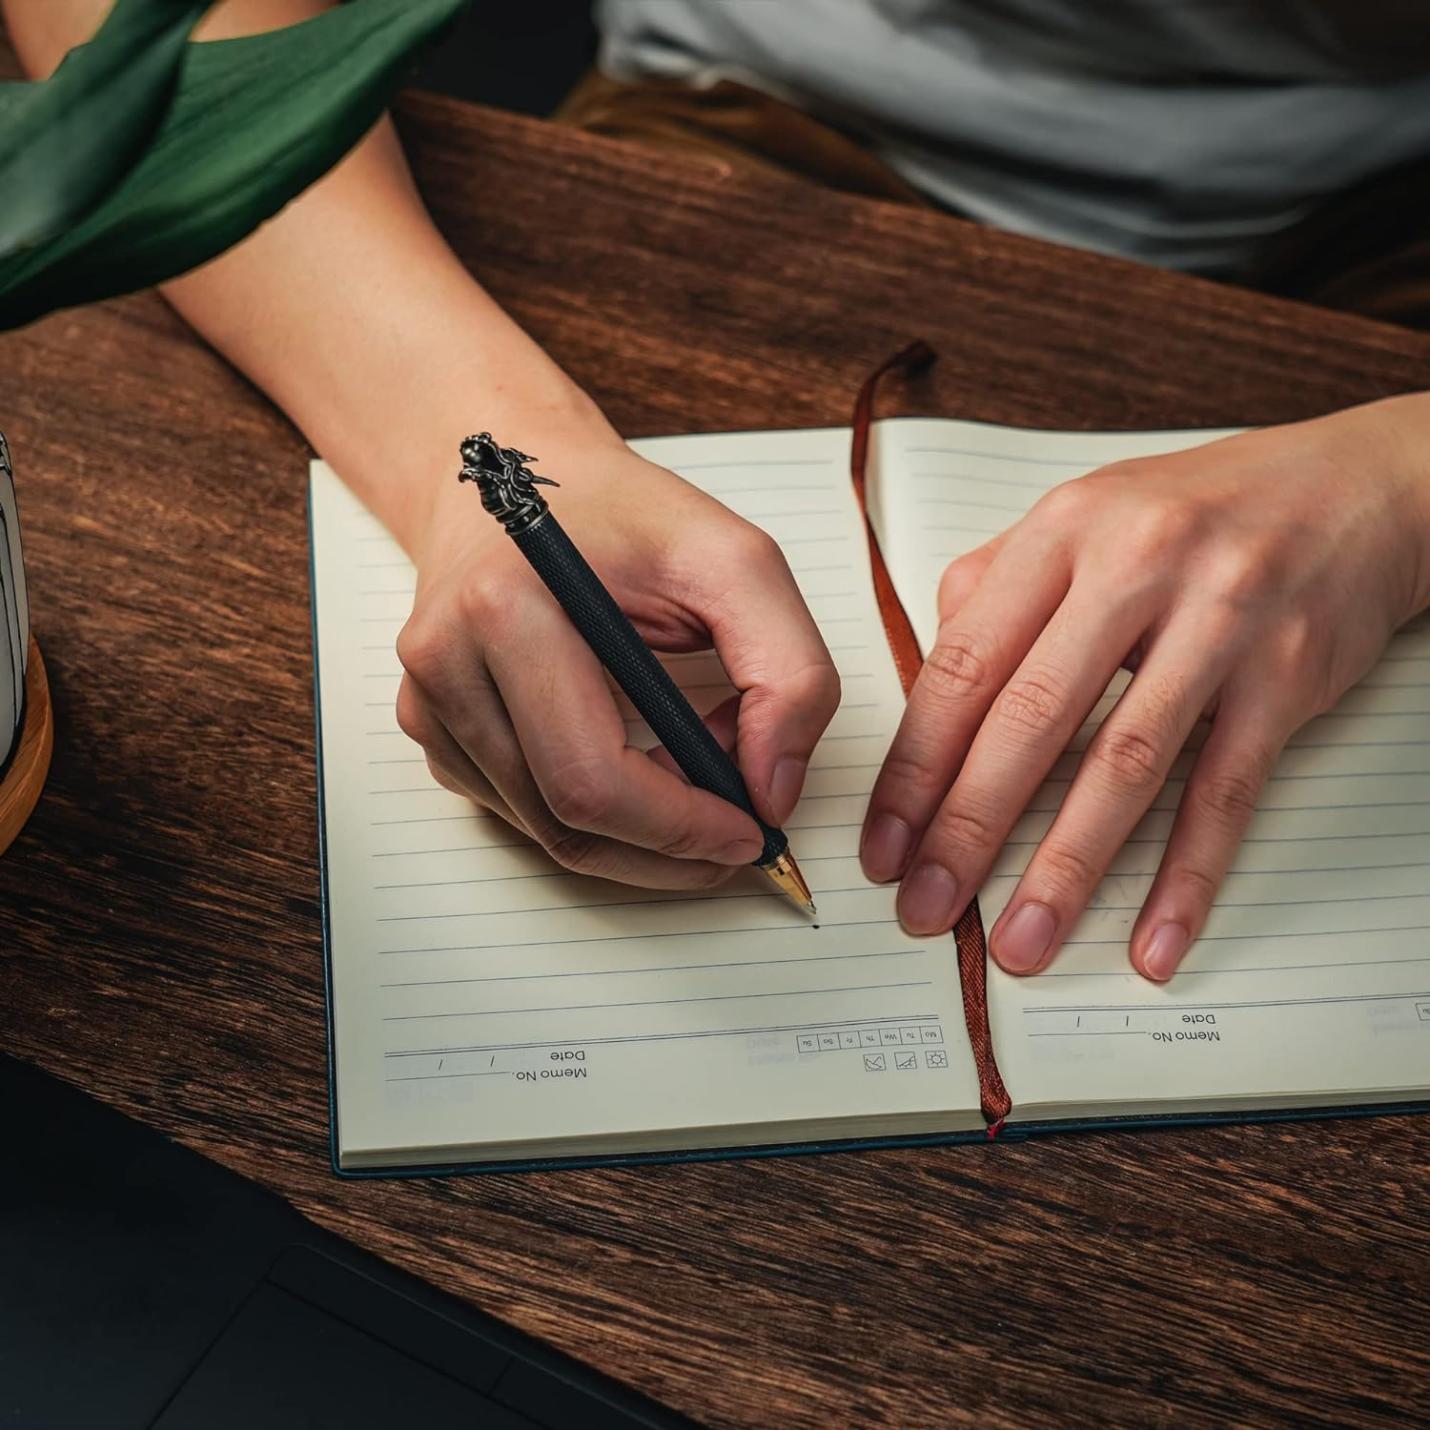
x,y
926,900
1164,952
1023,942
785,786
885,850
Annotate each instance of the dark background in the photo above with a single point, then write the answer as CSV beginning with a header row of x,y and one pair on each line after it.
x,y
514,54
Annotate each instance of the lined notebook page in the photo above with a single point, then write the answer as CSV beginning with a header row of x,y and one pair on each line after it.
x,y
488,1004
1311,982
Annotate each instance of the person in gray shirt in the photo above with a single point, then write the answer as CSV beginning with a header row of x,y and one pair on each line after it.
x,y
1193,134
1256,578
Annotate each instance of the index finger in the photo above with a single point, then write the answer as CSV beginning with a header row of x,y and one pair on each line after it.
x,y
776,658
574,742
975,655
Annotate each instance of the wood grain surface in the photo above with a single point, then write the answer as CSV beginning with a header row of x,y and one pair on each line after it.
x,y
160,940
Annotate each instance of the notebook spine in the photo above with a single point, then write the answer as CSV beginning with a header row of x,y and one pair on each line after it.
x,y
969,938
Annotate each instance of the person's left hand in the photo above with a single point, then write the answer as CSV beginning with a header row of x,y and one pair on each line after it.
x,y
1253,580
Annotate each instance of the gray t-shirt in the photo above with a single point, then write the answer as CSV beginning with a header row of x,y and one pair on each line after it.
x,y
1181,132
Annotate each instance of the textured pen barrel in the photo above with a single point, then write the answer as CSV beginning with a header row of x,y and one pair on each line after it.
x,y
645,681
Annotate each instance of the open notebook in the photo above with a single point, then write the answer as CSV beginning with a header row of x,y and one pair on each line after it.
x,y
487,1008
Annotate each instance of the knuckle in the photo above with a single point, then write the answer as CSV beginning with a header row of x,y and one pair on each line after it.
x,y
414,717
1200,885
1299,643
827,688
1228,797
814,688
755,545
685,843
1068,503
1130,758
420,649
962,828
1302,653
955,669
1158,529
1032,702
1303,657
581,793
710,876
483,601
1244,570
910,766
1062,868
443,775
1128,468
575,850
958,582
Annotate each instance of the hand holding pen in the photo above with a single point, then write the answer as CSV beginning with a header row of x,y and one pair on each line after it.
x,y
513,710
509,493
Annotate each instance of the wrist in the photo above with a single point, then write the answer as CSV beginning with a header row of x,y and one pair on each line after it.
x,y
392,427
1407,425
438,518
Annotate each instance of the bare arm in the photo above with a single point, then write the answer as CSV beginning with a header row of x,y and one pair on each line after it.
x,y
353,314
350,310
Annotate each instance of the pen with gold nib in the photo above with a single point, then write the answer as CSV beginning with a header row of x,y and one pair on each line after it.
x,y
509,492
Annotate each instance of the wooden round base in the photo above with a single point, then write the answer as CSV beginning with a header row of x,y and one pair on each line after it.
x,y
21,787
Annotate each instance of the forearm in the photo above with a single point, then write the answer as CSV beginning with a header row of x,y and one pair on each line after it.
x,y
350,310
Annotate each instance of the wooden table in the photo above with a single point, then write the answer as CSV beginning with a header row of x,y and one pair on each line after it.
x,y
160,944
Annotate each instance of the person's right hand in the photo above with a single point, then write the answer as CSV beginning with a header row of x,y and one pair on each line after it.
x,y
513,709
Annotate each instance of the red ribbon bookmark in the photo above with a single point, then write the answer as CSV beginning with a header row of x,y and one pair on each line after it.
x,y
968,934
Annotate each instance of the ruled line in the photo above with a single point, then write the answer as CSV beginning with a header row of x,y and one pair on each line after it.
x,y
1003,457
485,879
1330,998
657,968
1093,1033
452,849
1179,780
430,819
623,937
678,900
999,481
964,526
1252,968
979,505
1255,838
655,1002
1258,873
1292,903
1247,937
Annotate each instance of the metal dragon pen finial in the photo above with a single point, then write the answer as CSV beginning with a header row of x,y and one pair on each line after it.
x,y
507,486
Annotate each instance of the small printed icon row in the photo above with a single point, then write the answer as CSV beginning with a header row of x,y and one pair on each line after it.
x,y
904,1062
868,1038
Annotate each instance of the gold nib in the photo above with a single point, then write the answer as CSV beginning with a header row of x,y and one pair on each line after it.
x,y
784,874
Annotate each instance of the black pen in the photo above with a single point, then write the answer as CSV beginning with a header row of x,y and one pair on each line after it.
x,y
508,492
